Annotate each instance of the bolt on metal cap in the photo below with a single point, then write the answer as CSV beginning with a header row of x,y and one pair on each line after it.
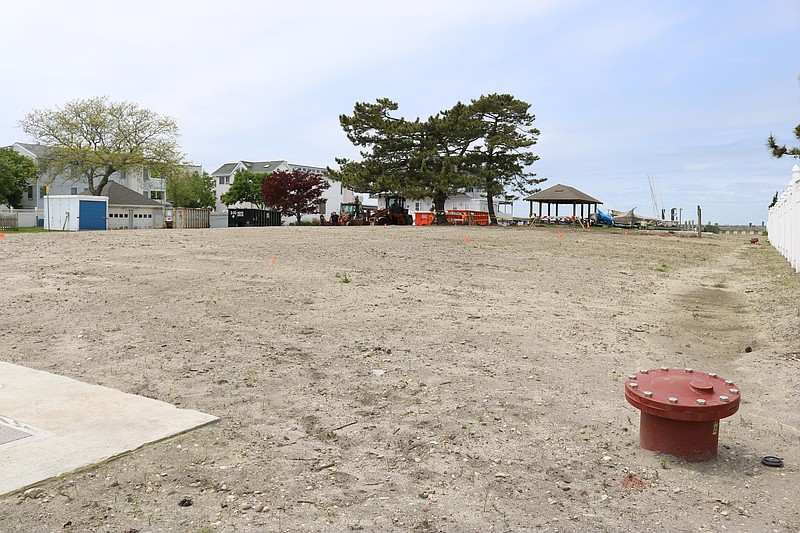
x,y
682,394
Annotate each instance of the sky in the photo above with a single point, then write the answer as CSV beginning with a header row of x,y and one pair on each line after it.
x,y
680,93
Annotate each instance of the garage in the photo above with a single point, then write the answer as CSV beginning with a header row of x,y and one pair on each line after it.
x,y
75,212
128,209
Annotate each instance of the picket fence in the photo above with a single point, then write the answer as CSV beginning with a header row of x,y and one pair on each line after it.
x,y
783,223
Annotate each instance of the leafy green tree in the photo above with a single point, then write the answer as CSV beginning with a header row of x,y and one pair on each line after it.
x,y
414,158
246,188
90,140
501,153
191,189
16,171
295,192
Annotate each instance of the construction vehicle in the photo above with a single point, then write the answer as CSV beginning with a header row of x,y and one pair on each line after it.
x,y
394,213
352,214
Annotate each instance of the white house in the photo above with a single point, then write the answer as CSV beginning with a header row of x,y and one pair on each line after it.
x,y
139,181
224,176
474,200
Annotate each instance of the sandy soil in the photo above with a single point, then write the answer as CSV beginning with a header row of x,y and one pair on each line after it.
x,y
410,379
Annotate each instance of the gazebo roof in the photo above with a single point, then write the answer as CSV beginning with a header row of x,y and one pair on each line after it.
x,y
562,194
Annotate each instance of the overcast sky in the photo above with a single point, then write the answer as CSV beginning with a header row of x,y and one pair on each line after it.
x,y
683,91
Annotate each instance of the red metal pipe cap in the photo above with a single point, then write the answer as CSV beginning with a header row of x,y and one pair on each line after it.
x,y
682,394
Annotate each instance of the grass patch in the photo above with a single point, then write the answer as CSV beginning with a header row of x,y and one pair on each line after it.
x,y
343,278
662,268
24,230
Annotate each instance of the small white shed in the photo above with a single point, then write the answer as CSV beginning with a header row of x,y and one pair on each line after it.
x,y
72,212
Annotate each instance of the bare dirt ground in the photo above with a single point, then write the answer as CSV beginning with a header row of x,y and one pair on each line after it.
x,y
410,379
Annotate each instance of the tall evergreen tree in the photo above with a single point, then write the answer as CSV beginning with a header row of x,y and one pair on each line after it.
x,y
779,151
500,155
484,144
414,158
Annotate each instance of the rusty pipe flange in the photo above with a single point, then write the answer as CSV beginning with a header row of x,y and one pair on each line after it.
x,y
682,394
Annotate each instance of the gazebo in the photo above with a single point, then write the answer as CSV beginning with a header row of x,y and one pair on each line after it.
x,y
560,195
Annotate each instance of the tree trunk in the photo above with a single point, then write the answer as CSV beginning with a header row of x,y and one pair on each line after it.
x,y
98,190
438,207
490,203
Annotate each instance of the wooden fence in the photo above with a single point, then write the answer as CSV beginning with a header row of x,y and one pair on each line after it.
x,y
783,223
188,218
9,221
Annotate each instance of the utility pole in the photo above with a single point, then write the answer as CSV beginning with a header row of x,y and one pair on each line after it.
x,y
699,222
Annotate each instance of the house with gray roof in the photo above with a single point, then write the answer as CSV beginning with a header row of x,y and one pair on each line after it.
x,y
128,209
140,181
225,174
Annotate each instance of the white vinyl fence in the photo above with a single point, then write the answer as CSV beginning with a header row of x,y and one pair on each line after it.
x,y
783,223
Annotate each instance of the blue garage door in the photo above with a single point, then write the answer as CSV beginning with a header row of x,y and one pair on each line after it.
x,y
92,215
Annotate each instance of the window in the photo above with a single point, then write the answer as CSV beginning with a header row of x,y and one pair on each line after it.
x,y
30,192
222,180
156,195
416,206
73,190
42,191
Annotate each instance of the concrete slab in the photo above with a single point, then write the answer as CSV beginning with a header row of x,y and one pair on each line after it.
x,y
51,425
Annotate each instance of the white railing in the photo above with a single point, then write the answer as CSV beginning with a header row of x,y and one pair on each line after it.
x,y
783,223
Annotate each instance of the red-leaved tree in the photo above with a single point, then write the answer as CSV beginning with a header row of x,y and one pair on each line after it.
x,y
294,193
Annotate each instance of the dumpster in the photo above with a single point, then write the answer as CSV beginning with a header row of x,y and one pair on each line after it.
x,y
423,218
